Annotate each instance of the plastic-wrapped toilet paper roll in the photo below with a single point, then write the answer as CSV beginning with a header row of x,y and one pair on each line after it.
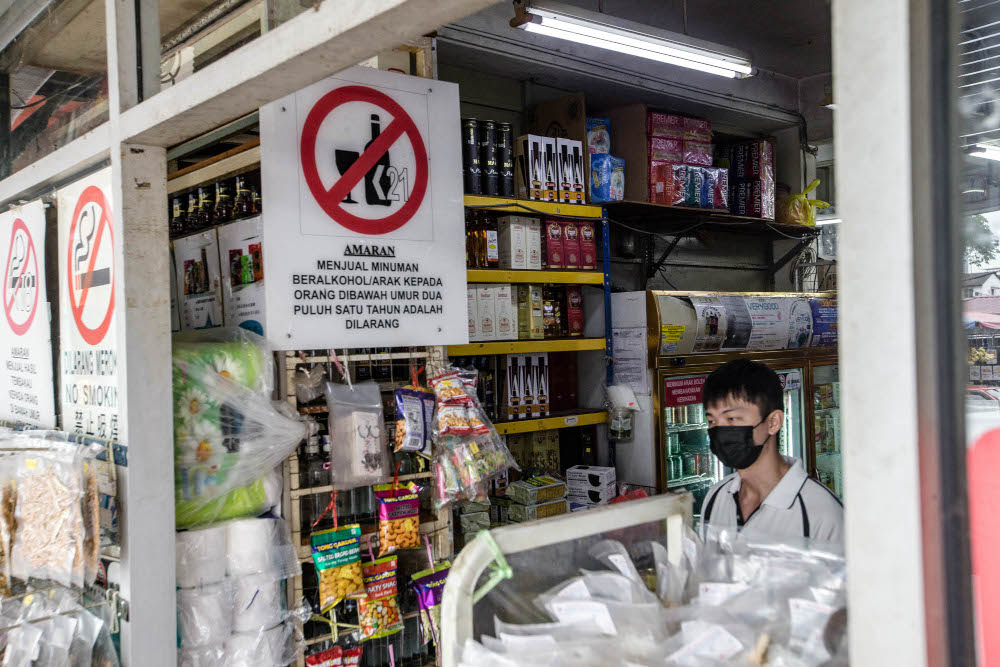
x,y
257,603
264,648
281,643
204,615
260,546
207,656
201,557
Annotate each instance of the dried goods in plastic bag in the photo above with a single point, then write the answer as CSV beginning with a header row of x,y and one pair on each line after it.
x,y
798,209
398,517
337,556
378,614
413,429
450,389
429,587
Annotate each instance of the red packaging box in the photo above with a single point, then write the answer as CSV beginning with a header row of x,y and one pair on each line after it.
x,y
563,381
665,148
754,199
553,245
571,245
697,129
588,246
661,124
753,160
573,311
661,182
697,152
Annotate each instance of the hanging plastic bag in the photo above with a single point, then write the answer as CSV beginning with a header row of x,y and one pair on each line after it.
x,y
378,614
798,209
359,456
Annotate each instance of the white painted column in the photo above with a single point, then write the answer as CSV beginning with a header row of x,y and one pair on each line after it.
x,y
878,342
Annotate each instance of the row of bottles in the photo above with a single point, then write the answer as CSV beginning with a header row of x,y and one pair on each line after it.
x,y
482,248
217,203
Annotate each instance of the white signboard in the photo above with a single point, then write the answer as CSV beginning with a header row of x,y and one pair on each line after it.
x,y
364,216
89,391
196,262
241,254
26,381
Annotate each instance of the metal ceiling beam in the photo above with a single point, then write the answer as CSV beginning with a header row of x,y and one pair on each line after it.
x,y
315,44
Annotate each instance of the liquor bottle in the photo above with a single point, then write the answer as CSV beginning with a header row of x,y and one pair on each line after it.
x,y
223,211
179,217
205,206
377,180
255,198
192,212
492,250
244,200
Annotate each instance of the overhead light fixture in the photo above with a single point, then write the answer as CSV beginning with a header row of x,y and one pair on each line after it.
x,y
984,151
635,39
828,221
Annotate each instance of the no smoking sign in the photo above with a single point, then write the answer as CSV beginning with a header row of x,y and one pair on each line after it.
x,y
21,279
364,159
90,261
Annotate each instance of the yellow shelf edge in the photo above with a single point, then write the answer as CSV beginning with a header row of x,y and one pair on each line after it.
x,y
550,423
526,346
519,276
511,205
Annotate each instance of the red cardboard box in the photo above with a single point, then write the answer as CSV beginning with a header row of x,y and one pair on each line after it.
x,y
573,313
754,199
661,182
571,245
661,124
697,152
553,239
753,160
563,381
665,148
697,129
588,246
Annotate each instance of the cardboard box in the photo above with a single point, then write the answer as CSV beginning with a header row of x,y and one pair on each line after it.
x,y
519,513
529,407
530,316
529,167
579,169
697,152
552,311
590,477
697,129
571,245
668,149
661,182
512,236
571,185
542,391
573,313
659,124
512,386
550,169
471,294
751,160
499,508
486,310
588,245
506,312
554,258
594,496
754,199
608,179
533,233
563,381
538,489
598,135
474,522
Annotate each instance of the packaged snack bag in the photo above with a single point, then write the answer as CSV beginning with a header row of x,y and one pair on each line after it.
x,y
398,517
378,614
352,656
337,555
412,429
429,587
449,389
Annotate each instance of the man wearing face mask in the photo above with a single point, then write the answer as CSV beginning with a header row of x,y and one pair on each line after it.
x,y
768,495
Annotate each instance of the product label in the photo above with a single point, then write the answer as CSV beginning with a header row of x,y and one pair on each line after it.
x,y
670,335
380,578
334,548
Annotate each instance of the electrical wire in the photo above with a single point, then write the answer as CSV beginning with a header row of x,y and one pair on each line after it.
x,y
667,280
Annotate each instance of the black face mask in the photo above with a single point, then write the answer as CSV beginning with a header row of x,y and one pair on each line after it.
x,y
734,445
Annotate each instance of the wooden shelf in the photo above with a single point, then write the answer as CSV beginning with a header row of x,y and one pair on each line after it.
x,y
664,218
549,423
529,206
527,346
549,277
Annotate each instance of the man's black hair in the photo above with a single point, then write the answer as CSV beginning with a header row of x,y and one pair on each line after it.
x,y
750,381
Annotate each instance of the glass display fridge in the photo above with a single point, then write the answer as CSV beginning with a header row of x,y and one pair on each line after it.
x,y
690,334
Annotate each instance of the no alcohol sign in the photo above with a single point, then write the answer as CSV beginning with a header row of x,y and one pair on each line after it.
x,y
370,162
26,381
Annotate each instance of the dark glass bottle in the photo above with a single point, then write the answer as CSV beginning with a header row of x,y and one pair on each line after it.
x,y
223,211
244,200
192,212
255,198
178,217
205,206
377,180
490,236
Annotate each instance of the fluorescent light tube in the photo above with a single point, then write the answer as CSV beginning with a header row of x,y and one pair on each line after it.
x,y
985,151
828,221
605,32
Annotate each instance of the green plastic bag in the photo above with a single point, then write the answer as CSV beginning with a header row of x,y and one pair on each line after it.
x,y
798,209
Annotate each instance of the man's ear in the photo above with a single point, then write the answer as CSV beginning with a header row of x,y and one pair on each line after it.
x,y
775,420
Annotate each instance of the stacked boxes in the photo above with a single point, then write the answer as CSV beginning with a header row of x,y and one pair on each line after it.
x,y
493,312
607,172
536,168
752,186
502,311
536,452
536,498
570,161
530,322
525,393
680,163
591,485
520,242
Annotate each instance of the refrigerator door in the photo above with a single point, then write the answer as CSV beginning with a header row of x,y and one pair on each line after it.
x,y
687,464
826,426
792,438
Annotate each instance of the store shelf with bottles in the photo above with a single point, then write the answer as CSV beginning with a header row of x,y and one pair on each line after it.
x,y
689,481
534,207
527,346
683,428
553,277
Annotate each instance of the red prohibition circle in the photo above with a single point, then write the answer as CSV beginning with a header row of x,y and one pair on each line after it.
x,y
8,305
92,195
330,200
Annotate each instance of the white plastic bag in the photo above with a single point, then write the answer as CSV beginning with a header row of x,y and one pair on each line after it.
x,y
358,456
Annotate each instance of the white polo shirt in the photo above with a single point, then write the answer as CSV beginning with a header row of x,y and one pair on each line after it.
x,y
797,507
